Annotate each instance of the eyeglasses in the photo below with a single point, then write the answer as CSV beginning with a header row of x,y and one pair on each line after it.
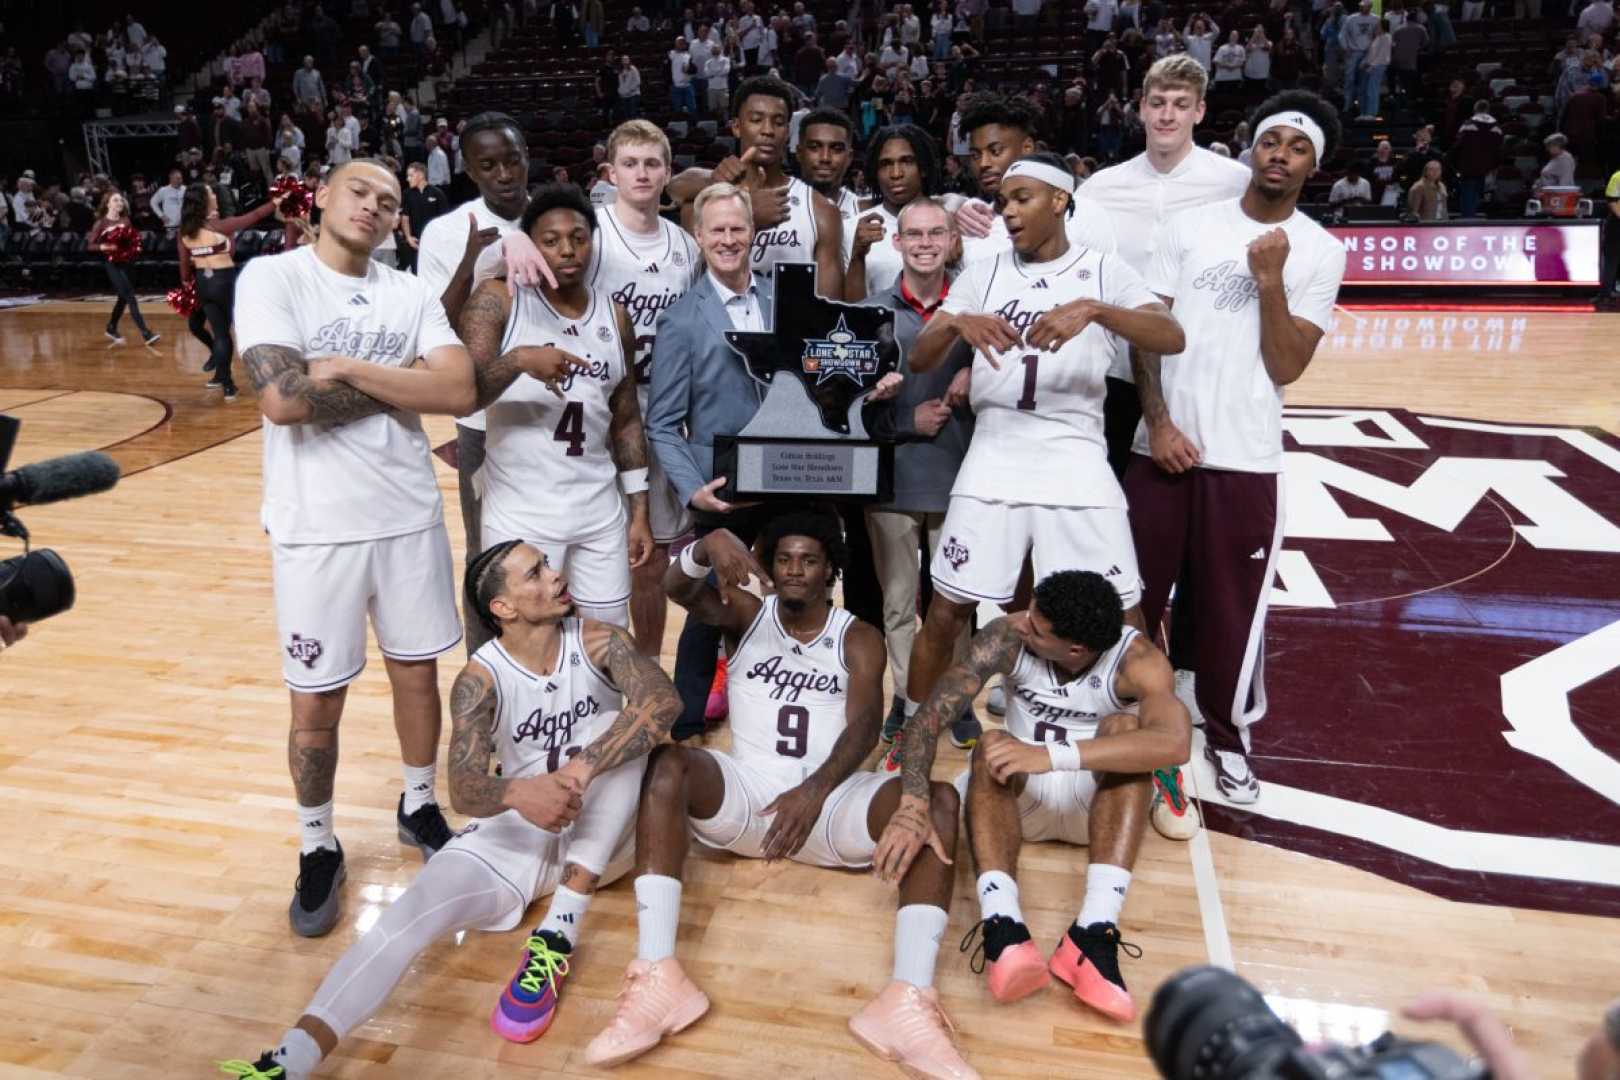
x,y
912,236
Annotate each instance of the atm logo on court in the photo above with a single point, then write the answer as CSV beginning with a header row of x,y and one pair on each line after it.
x,y
1441,672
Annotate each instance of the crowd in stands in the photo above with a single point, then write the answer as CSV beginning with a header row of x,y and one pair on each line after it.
x,y
1452,124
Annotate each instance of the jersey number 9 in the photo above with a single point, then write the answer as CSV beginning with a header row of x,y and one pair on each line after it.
x,y
793,724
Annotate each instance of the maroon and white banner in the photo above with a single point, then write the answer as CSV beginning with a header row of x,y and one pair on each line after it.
x,y
1490,253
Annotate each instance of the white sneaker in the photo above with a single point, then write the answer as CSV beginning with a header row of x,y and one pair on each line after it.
x,y
1186,693
996,703
1233,775
1174,815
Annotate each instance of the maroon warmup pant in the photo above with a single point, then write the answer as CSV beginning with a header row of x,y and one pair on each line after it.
x,y
1223,530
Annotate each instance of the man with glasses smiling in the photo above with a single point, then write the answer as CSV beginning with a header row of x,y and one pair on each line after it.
x,y
932,419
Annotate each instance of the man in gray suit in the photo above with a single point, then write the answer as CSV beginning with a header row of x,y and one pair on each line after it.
x,y
701,389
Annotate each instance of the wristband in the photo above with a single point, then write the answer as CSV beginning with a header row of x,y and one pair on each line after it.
x,y
689,564
633,481
1065,758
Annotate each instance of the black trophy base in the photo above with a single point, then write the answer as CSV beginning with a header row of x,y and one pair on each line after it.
x,y
759,468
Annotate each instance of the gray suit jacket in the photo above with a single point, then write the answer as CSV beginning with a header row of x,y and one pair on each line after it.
x,y
700,388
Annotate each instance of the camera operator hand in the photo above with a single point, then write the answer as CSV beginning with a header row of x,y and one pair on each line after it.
x,y
1484,1031
11,633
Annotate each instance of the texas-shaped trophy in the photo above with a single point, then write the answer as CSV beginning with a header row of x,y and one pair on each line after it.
x,y
818,360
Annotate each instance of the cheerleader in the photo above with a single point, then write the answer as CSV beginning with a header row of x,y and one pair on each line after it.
x,y
115,237
205,245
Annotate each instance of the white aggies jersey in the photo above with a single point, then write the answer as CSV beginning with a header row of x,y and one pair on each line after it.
x,y
1042,708
1038,432
787,697
548,468
792,240
365,480
644,274
543,720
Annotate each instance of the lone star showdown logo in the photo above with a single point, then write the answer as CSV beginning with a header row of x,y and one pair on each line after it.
x,y
840,353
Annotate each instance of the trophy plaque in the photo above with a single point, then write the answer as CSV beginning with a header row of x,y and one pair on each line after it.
x,y
819,360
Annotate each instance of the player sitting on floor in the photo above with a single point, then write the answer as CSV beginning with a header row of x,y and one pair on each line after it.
x,y
570,710
1091,712
806,706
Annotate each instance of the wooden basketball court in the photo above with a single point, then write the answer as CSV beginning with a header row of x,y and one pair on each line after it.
x,y
150,846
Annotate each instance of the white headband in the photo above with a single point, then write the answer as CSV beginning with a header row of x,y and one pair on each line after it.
x,y
1312,130
1062,179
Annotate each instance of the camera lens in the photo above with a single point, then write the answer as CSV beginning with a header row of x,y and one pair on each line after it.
x,y
1209,1024
35,586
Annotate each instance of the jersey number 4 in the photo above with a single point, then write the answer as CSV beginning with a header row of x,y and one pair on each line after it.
x,y
571,429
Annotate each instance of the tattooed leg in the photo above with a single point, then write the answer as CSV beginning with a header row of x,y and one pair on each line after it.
x,y
312,744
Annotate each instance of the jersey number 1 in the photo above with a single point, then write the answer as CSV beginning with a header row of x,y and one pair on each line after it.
x,y
1031,363
571,429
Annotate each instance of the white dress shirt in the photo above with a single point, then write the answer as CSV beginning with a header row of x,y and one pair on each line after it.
x,y
741,308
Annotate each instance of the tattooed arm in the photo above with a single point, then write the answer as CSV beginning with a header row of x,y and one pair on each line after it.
x,y
550,801
651,705
628,442
993,652
482,326
287,394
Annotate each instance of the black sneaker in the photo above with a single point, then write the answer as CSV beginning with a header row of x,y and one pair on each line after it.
x,y
895,720
315,906
1088,959
150,340
209,366
966,729
426,830
215,383
231,392
994,934
266,1068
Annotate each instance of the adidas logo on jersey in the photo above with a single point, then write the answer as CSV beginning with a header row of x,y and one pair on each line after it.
x,y
359,301
572,331
652,268
1040,284
1113,571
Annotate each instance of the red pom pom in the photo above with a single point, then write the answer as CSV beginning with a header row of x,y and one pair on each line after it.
x,y
125,241
291,197
183,299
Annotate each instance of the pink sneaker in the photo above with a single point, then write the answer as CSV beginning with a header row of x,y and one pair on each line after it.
x,y
905,1024
718,705
1087,958
656,999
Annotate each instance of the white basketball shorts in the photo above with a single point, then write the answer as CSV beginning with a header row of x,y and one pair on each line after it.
x,y
982,547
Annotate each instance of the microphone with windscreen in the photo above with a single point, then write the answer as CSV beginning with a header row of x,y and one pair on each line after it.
x,y
38,584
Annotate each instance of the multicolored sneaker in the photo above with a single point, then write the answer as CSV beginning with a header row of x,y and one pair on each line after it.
x,y
1088,960
905,1024
1173,813
529,1003
1233,777
718,707
890,761
265,1068
1017,968
657,999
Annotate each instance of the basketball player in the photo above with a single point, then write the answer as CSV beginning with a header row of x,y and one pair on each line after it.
x,y
332,341
825,151
903,162
556,370
646,264
1254,282
1091,711
569,709
497,161
1043,320
806,705
1141,195
793,223
1000,130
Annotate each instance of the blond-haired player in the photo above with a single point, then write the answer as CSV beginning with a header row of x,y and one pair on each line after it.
x,y
1141,195
646,263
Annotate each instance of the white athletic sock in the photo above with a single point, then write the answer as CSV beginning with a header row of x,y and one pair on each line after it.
x,y
911,707
1105,894
315,828
299,1054
998,895
658,914
418,787
917,930
566,912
